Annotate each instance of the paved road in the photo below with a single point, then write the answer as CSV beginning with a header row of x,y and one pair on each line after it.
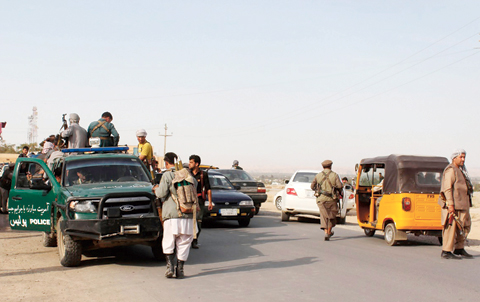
x,y
268,261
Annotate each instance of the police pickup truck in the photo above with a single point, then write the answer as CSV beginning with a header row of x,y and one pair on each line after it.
x,y
86,202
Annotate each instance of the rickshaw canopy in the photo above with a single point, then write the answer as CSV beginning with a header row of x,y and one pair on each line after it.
x,y
405,173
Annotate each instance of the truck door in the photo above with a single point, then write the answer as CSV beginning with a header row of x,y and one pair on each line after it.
x,y
31,196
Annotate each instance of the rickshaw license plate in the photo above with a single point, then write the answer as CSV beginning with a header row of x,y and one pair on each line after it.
x,y
229,212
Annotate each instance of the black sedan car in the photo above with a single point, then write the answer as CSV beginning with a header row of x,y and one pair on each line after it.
x,y
228,203
248,185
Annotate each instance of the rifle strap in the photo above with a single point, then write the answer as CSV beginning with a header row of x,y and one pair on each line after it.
x,y
326,178
101,124
201,183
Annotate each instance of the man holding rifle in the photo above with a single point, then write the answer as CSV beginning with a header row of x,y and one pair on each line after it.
x,y
455,200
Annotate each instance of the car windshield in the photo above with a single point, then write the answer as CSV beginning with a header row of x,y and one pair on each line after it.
x,y
220,182
304,177
237,175
101,170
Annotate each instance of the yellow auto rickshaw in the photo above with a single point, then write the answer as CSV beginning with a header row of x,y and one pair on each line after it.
x,y
398,194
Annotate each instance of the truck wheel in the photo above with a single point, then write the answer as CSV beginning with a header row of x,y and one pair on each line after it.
x,y
49,239
341,220
285,216
244,222
390,234
369,232
157,249
70,251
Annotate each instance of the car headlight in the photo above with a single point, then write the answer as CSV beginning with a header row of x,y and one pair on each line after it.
x,y
83,206
246,203
206,203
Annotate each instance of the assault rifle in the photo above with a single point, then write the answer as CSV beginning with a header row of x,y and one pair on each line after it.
x,y
63,127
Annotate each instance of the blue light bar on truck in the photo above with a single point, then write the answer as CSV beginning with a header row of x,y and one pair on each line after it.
x,y
102,149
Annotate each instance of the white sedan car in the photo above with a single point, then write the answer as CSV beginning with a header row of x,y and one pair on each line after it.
x,y
297,198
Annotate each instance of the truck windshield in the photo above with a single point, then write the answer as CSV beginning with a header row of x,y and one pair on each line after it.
x,y
101,170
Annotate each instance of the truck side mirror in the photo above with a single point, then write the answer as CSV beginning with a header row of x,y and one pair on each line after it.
x,y
356,167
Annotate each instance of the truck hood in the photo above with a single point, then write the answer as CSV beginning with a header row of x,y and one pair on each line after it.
x,y
100,189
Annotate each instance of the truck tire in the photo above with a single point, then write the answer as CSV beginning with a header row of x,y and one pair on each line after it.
x,y
49,239
244,222
69,250
157,250
390,234
285,216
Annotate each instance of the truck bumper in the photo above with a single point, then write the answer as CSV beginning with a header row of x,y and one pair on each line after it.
x,y
145,228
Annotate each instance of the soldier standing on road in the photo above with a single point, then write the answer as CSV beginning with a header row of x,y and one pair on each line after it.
x,y
105,130
76,134
177,230
203,191
326,184
455,199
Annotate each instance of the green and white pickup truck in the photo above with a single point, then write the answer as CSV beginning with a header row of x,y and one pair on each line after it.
x,y
92,201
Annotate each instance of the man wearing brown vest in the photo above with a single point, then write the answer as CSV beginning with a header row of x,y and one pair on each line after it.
x,y
325,185
455,199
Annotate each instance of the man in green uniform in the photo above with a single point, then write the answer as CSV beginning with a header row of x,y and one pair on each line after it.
x,y
105,130
325,185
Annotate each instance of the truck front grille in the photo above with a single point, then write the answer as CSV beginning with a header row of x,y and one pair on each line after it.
x,y
129,206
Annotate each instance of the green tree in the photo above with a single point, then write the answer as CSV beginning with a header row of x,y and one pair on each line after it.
x,y
33,147
7,148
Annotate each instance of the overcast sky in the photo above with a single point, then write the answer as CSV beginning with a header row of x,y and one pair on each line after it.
x,y
277,85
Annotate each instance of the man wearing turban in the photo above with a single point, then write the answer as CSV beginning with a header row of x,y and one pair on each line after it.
x,y
455,199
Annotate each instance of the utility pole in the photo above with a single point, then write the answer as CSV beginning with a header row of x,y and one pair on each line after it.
x,y
164,144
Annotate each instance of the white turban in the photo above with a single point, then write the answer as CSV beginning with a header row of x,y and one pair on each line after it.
x,y
457,152
74,118
141,132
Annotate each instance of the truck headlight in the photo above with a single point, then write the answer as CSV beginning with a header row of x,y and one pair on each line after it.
x,y
246,203
83,206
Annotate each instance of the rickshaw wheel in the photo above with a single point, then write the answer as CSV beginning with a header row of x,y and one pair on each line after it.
x,y
369,232
390,234
440,240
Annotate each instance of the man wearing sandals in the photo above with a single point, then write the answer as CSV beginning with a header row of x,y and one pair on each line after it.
x,y
326,185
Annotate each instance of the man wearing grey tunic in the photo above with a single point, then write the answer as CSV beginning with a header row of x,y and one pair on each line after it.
x,y
178,227
76,134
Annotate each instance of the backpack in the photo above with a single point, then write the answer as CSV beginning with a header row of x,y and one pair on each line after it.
x,y
184,192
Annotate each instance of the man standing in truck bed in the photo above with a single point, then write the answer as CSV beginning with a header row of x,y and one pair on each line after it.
x,y
105,130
